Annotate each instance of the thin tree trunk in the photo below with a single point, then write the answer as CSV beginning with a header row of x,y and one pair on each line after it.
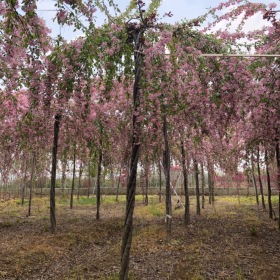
x,y
278,179
166,166
254,182
24,183
260,179
89,181
212,185
211,182
196,186
112,175
63,176
237,185
186,187
248,183
268,186
31,184
98,183
146,184
53,176
79,180
73,178
202,185
137,34
118,185
160,183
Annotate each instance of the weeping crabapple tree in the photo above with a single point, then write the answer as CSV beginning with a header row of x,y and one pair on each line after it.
x,y
24,41
161,78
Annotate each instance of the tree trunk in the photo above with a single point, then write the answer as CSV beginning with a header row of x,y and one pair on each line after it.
x,y
63,175
89,181
53,176
186,187
160,183
79,180
211,182
73,178
137,34
268,186
166,166
112,175
278,179
31,184
146,184
98,183
196,186
260,179
254,182
24,183
202,185
118,185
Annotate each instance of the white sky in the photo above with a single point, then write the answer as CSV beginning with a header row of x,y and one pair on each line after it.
x,y
181,9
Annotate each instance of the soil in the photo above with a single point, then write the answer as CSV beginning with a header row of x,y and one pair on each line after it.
x,y
230,240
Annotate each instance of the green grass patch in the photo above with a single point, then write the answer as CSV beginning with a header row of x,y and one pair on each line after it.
x,y
84,200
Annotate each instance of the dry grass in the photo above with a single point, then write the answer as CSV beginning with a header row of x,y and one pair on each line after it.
x,y
232,240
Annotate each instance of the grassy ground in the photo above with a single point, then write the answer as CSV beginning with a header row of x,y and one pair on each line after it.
x,y
232,240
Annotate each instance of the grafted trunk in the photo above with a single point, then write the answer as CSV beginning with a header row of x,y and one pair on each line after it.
x,y
73,178
166,166
260,179
137,35
202,185
98,184
268,185
254,182
53,176
186,187
31,183
196,172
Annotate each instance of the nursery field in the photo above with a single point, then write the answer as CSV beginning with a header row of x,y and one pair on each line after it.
x,y
234,239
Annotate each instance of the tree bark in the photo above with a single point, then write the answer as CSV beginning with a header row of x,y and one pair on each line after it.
x,y
98,183
53,174
202,185
254,182
73,178
160,183
260,179
211,182
268,186
196,172
146,184
137,35
118,185
63,176
89,181
166,166
186,186
31,184
79,180
24,182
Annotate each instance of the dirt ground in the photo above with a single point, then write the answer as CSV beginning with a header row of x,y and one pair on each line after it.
x,y
231,240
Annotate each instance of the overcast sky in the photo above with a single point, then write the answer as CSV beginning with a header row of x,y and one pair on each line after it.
x,y
181,9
